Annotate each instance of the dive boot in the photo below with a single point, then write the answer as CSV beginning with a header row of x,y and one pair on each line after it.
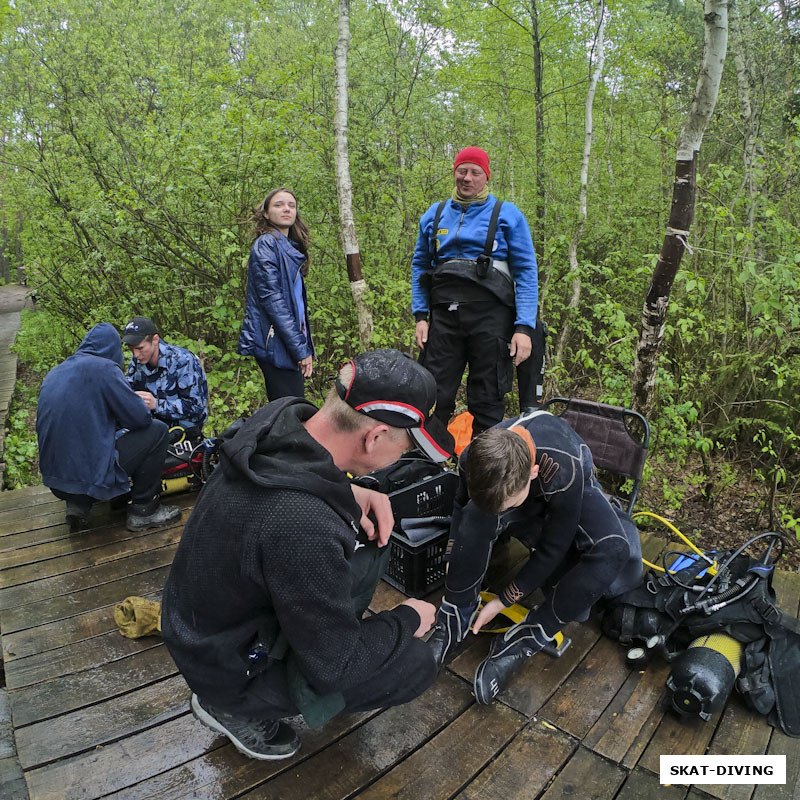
x,y
506,656
142,516
452,626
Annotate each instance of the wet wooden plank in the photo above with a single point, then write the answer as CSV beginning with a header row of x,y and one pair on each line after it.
x,y
787,591
222,773
587,776
53,517
740,732
782,745
7,749
104,722
585,695
642,785
152,551
34,536
33,513
123,763
676,736
385,598
787,587
625,727
52,635
65,606
72,691
442,766
75,658
524,767
138,757
75,552
12,781
25,498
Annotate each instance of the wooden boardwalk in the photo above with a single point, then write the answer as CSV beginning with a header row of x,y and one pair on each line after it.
x,y
96,715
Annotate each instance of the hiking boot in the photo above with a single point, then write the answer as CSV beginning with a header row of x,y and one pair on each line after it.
x,y
77,517
506,655
264,739
452,626
140,519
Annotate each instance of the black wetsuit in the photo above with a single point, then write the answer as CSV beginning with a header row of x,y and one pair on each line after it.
x,y
583,548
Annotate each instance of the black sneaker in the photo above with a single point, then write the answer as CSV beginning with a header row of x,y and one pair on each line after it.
x,y
506,655
163,515
264,739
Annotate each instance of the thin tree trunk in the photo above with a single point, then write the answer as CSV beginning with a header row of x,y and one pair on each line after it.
x,y
575,299
538,95
749,113
344,186
683,194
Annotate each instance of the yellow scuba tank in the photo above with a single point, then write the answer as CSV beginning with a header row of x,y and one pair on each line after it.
x,y
703,675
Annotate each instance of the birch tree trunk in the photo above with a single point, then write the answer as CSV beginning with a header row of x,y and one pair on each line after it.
x,y
654,312
575,299
538,96
344,186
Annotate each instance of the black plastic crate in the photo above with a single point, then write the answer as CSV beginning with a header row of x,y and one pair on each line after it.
x,y
416,568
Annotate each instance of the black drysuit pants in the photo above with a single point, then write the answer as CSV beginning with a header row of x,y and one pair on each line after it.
x,y
475,334
604,560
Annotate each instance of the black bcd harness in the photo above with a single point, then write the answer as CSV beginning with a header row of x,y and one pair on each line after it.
x,y
480,270
667,612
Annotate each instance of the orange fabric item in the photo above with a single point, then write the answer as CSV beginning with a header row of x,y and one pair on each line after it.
x,y
525,434
461,430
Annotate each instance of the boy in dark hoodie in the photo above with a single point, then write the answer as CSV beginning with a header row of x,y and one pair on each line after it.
x,y
97,439
262,610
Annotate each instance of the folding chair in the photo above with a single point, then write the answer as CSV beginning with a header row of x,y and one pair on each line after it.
x,y
618,439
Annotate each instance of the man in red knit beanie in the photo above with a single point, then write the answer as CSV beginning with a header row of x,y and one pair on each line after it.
x,y
474,289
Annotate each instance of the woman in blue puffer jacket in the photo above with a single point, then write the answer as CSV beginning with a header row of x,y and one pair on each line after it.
x,y
275,330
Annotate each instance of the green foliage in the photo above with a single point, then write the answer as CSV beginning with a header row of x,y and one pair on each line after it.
x,y
137,137
21,450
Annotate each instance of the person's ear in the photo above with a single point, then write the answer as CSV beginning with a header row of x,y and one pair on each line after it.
x,y
534,471
373,436
156,338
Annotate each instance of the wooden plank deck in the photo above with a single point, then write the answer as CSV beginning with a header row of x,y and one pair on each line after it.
x,y
96,715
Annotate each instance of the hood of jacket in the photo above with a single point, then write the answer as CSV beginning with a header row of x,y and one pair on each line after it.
x,y
103,341
273,449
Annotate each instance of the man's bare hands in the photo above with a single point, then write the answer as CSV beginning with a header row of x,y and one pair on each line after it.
x,y
521,347
421,334
149,399
378,504
427,615
487,613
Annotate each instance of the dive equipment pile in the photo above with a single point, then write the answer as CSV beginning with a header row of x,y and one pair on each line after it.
x,y
714,617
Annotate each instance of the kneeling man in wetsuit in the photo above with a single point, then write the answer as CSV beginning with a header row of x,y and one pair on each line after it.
x,y
534,477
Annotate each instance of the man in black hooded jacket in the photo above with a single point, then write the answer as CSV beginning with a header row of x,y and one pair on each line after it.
x,y
262,610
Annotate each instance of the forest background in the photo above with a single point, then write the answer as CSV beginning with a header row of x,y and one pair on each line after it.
x,y
137,136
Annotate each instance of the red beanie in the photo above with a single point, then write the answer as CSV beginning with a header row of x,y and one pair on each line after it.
x,y
474,155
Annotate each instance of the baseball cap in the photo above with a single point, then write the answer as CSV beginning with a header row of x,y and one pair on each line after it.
x,y
137,329
393,388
